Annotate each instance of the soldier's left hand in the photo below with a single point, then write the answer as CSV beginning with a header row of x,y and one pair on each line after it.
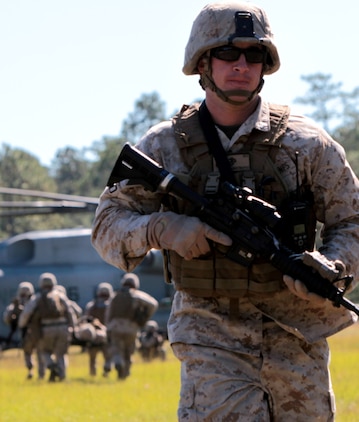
x,y
299,289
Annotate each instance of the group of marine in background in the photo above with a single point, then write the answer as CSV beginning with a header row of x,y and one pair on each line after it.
x,y
114,324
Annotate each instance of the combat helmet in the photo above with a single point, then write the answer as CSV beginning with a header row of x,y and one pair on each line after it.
x,y
229,23
104,289
25,288
130,280
47,281
151,326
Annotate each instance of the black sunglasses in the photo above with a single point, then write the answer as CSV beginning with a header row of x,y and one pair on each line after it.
x,y
229,53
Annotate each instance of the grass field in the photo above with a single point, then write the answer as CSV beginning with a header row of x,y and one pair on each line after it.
x,y
345,373
149,395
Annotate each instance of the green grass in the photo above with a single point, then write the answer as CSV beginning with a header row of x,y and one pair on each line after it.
x,y
150,394
345,373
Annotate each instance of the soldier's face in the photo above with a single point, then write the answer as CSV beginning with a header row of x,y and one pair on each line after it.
x,y
239,74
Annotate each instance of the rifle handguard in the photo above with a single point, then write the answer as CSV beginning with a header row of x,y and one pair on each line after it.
x,y
326,268
250,228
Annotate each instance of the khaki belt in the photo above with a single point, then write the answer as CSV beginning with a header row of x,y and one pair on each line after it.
x,y
51,322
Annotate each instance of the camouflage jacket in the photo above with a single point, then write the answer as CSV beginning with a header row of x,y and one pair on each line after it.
x,y
32,307
120,234
133,307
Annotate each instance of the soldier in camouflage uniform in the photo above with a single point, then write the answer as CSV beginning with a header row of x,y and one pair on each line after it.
x,y
95,310
56,319
128,311
30,334
151,342
251,341
75,306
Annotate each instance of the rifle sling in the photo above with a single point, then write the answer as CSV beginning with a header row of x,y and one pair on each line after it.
x,y
215,145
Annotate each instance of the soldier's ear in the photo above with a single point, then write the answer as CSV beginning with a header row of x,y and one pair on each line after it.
x,y
203,64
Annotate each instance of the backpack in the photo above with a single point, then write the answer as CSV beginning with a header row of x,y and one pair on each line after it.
x,y
122,305
141,315
50,305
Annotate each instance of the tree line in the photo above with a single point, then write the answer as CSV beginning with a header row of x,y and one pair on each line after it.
x,y
85,171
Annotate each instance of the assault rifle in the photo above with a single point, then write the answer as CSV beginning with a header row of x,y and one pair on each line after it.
x,y
249,221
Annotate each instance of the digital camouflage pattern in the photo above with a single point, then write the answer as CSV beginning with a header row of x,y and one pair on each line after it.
x,y
95,312
245,387
54,329
120,236
215,26
124,320
30,335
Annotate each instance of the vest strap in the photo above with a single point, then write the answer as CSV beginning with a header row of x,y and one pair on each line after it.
x,y
217,275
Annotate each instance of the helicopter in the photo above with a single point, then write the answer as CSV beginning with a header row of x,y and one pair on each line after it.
x,y
69,254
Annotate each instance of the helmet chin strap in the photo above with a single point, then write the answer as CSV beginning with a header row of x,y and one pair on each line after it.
x,y
207,82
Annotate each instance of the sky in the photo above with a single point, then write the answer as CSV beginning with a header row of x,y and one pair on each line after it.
x,y
72,70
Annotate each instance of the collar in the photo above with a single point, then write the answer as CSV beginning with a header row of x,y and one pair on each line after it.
x,y
259,119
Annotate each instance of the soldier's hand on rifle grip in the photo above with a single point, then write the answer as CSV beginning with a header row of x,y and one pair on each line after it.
x,y
187,236
299,289
331,270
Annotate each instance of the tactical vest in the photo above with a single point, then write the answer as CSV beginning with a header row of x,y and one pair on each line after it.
x,y
98,311
253,166
122,305
50,306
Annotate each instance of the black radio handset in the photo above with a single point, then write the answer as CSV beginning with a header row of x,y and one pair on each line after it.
x,y
299,225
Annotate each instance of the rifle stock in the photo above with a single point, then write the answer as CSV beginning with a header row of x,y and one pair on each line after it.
x,y
249,226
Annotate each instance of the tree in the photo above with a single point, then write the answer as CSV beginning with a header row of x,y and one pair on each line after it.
x,y
149,110
323,96
73,172
105,154
337,110
22,170
69,169
348,135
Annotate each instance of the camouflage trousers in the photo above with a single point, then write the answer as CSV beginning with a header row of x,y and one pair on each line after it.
x,y
93,351
289,381
54,347
31,345
122,347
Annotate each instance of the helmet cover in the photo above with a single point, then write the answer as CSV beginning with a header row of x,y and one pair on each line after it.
x,y
104,289
229,23
130,280
47,280
151,325
25,288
